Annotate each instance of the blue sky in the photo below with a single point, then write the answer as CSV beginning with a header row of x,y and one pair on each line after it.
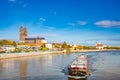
x,y
83,22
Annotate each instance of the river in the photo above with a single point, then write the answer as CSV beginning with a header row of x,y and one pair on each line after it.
x,y
104,66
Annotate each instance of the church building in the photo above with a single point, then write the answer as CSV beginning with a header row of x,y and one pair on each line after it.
x,y
23,34
23,38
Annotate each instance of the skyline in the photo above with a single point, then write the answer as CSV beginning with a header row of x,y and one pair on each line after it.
x,y
76,21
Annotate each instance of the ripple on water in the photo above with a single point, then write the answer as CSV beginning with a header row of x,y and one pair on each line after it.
x,y
105,66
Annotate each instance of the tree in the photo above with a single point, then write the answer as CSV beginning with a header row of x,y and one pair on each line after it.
x,y
79,47
43,47
3,42
14,44
66,47
8,42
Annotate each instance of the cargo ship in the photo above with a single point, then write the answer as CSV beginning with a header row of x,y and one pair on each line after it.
x,y
79,67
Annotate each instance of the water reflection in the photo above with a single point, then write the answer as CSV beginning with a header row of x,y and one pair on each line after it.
x,y
54,67
23,69
1,66
77,79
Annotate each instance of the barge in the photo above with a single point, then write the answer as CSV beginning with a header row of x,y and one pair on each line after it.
x,y
79,67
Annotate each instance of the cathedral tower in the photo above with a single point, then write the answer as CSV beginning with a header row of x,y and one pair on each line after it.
x,y
22,34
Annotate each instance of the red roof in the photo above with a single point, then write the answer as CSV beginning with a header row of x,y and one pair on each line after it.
x,y
99,45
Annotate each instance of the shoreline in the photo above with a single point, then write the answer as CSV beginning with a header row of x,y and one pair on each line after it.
x,y
24,54
94,50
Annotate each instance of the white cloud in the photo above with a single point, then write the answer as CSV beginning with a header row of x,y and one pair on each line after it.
x,y
78,23
71,24
42,19
12,0
81,22
108,23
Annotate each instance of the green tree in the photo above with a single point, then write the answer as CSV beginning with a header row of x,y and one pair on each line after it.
x,y
14,44
3,42
86,47
8,42
43,47
79,47
66,47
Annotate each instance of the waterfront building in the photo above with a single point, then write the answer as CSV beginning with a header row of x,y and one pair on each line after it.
x,y
73,46
56,45
8,48
22,46
35,41
23,34
49,46
30,42
2,50
99,46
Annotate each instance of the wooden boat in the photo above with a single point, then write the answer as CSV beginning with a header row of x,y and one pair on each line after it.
x,y
79,67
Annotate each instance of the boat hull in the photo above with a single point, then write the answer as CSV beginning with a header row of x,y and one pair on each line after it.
x,y
77,72
79,68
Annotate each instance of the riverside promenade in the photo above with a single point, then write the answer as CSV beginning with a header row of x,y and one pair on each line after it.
x,y
27,54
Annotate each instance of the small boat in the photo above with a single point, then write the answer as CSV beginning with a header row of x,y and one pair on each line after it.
x,y
79,67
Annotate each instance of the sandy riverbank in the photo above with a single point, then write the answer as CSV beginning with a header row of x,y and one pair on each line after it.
x,y
24,54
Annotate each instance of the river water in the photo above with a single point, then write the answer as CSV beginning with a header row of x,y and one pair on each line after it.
x,y
104,66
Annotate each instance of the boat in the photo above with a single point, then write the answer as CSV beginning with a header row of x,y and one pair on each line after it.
x,y
79,67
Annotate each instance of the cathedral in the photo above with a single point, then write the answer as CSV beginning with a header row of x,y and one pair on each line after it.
x,y
23,38
23,34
